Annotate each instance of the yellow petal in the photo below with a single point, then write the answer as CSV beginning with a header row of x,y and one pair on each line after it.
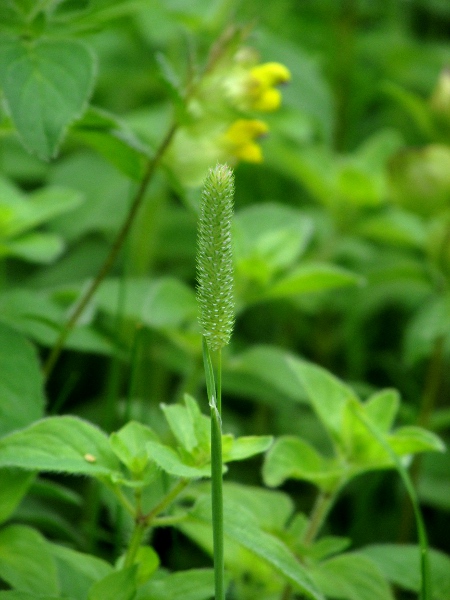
x,y
271,73
268,100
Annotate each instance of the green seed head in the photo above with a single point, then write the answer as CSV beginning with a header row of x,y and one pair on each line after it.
x,y
215,259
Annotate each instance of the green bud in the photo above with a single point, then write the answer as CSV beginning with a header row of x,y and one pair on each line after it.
x,y
214,258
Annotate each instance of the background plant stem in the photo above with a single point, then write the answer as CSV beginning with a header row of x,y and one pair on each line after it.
x,y
110,259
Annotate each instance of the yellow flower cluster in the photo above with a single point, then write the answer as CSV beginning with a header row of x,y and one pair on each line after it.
x,y
223,128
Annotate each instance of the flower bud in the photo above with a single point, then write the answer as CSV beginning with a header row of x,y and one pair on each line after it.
x,y
214,258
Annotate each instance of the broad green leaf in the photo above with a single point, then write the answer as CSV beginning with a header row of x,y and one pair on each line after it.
x,y
170,461
147,561
20,213
327,546
194,584
395,227
246,446
400,564
412,439
21,382
14,485
310,278
40,316
241,527
328,395
77,572
34,247
109,136
128,444
119,585
351,577
293,458
182,425
271,509
382,408
26,562
268,238
263,372
159,303
62,444
46,84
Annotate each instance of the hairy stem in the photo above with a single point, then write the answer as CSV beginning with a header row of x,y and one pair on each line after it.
x,y
113,253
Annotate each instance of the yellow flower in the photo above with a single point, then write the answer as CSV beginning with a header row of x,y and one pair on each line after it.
x,y
254,87
239,139
261,84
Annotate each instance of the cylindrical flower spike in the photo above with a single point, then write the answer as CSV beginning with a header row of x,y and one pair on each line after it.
x,y
214,258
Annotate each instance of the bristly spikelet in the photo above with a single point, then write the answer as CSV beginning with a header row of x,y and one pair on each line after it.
x,y
214,258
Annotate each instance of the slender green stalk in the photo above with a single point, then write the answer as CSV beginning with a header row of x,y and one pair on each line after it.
x,y
322,506
216,473
425,588
142,522
215,296
113,253
217,502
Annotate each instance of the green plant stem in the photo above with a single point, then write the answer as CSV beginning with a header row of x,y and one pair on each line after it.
x,y
321,508
113,253
429,398
142,522
135,543
217,502
214,394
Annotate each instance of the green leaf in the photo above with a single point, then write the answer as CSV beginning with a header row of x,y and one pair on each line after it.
x,y
109,136
382,407
240,526
21,382
41,248
194,584
128,444
120,585
46,84
169,460
182,425
328,395
263,372
312,278
62,444
268,238
400,564
245,446
271,509
25,561
327,546
395,227
411,439
351,577
21,213
15,484
162,303
77,572
293,458
40,316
